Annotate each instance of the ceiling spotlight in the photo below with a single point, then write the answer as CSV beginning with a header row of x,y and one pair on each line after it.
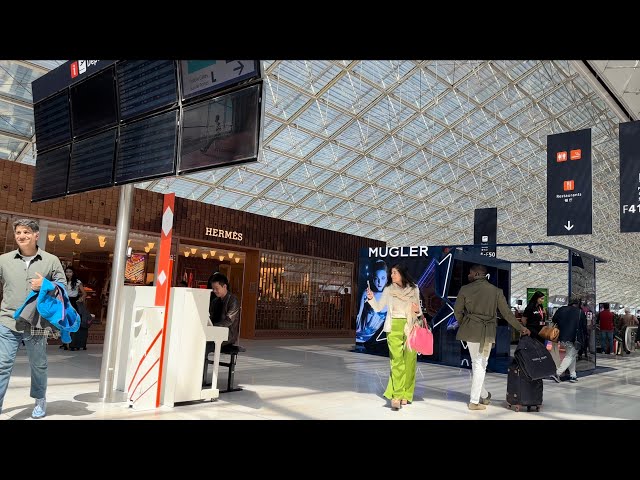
x,y
213,253
74,235
102,244
151,245
62,236
51,237
187,253
102,238
205,255
77,240
193,251
146,249
231,254
221,257
237,259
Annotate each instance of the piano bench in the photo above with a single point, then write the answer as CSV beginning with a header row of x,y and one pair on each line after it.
x,y
232,351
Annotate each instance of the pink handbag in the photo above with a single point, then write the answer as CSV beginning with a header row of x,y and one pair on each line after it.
x,y
421,339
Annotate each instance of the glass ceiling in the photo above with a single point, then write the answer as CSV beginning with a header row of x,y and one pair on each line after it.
x,y
404,151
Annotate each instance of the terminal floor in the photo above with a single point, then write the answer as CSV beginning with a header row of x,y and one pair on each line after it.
x,y
324,379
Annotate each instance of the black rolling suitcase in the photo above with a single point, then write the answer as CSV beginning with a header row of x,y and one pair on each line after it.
x,y
521,390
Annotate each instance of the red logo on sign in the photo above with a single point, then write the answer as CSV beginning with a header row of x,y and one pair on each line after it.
x,y
74,69
561,157
575,154
568,185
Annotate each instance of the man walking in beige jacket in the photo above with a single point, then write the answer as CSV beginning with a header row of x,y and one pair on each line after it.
x,y
476,311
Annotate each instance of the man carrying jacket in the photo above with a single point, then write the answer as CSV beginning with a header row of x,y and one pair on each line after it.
x,y
476,311
22,271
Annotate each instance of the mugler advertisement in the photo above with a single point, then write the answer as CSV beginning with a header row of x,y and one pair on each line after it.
x,y
375,270
439,272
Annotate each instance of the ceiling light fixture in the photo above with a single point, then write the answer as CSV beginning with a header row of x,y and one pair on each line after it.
x,y
221,257
51,237
231,254
74,235
146,249
62,236
193,251
187,253
151,245
213,253
237,259
77,240
205,255
102,238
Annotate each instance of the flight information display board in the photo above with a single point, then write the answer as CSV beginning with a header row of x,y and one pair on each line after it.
x,y
52,121
145,86
51,175
221,131
93,103
128,121
92,162
147,148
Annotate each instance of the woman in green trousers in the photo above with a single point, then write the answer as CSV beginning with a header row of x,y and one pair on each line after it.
x,y
402,299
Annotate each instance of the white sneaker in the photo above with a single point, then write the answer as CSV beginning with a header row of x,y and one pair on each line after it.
x,y
40,410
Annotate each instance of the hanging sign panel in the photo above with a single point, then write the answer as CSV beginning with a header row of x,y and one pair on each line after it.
x,y
485,230
630,177
569,183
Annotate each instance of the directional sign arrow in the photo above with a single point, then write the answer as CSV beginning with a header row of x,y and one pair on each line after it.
x,y
568,226
240,67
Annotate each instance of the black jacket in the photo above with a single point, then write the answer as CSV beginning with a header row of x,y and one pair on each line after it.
x,y
534,321
227,311
572,323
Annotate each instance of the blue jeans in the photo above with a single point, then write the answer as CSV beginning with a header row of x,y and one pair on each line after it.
x,y
606,338
37,352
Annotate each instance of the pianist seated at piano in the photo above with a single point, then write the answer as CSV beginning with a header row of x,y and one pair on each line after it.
x,y
224,307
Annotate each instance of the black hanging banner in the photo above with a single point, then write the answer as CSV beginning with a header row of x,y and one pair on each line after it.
x,y
485,230
569,183
630,177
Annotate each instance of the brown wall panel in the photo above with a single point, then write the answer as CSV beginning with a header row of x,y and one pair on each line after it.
x,y
190,220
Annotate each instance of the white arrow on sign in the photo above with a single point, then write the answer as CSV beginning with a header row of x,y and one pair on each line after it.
x,y
568,226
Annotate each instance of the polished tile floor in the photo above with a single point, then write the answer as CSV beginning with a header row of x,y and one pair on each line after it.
x,y
324,379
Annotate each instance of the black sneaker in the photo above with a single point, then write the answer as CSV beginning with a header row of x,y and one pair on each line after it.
x,y
555,378
573,379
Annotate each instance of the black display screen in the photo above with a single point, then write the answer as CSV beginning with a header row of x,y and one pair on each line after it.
x,y
52,121
93,103
92,162
221,131
145,86
52,168
147,148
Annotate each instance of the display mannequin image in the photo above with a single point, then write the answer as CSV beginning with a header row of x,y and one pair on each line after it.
x,y
368,322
